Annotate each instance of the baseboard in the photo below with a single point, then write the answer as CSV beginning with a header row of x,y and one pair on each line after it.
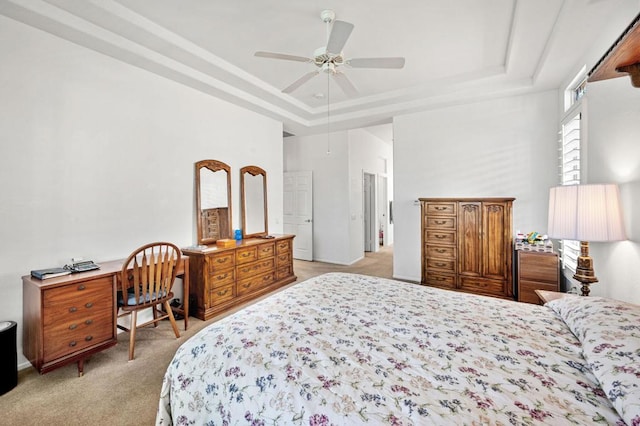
x,y
409,279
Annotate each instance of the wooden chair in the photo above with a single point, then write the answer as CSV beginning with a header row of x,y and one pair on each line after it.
x,y
146,281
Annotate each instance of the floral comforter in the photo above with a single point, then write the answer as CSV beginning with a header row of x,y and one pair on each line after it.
x,y
350,349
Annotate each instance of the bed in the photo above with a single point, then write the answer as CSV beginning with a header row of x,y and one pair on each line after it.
x,y
351,349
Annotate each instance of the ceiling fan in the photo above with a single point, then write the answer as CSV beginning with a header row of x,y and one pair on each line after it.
x,y
330,58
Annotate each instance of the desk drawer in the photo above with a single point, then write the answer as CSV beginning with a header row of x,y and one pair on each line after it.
x,y
73,332
255,268
89,291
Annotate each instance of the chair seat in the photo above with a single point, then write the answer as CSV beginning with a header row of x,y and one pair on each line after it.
x,y
131,298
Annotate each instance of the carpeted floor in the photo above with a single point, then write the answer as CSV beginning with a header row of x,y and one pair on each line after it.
x,y
114,391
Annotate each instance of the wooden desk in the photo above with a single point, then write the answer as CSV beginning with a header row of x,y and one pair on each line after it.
x,y
69,318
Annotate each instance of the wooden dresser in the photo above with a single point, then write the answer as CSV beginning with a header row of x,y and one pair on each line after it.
x,y
467,244
536,271
223,277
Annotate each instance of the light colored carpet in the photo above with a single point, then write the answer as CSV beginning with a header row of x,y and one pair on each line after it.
x,y
114,391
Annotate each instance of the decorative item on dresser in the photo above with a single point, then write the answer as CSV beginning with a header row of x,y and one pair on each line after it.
x,y
467,244
536,271
222,278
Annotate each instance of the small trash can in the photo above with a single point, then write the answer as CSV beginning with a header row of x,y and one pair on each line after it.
x,y
8,356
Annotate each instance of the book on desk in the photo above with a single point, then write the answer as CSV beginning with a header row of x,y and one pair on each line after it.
x,y
43,274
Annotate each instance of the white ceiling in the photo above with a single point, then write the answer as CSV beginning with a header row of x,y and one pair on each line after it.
x,y
456,51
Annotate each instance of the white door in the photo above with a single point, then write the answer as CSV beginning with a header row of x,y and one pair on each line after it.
x,y
369,199
298,212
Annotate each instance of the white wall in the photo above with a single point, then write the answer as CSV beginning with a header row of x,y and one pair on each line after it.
x,y
97,157
367,153
502,147
330,190
613,126
337,187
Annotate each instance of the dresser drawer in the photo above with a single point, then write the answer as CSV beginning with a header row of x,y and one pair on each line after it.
x,y
266,250
220,261
442,265
283,260
526,290
255,268
441,208
246,254
222,278
441,280
220,295
441,252
283,246
481,285
538,267
249,285
441,222
440,237
284,272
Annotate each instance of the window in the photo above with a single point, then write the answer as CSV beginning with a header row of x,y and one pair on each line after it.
x,y
569,150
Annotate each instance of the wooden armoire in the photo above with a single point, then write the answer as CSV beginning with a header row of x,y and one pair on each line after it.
x,y
467,244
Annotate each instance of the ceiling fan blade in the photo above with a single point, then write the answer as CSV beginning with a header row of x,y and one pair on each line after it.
x,y
299,82
340,33
284,56
376,62
345,84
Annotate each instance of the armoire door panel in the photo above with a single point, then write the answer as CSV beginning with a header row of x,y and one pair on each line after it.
x,y
469,237
493,242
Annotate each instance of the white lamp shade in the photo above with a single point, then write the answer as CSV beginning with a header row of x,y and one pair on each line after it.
x,y
586,213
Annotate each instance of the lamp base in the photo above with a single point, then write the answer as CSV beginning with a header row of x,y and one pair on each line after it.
x,y
584,271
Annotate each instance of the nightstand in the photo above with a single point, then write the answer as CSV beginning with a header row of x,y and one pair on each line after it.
x,y
547,296
536,271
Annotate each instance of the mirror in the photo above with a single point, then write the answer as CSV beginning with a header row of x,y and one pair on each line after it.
x,y
253,194
213,201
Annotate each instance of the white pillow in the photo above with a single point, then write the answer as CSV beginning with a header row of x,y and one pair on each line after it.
x,y
609,331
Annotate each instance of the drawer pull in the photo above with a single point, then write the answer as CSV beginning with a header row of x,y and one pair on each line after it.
x,y
73,326
440,208
88,338
440,250
266,278
245,254
73,309
441,237
440,279
88,305
247,285
81,287
440,264
222,293
440,222
73,343
89,322
224,260
221,277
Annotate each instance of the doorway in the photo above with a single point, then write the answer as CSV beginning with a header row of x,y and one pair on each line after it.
x,y
298,212
369,211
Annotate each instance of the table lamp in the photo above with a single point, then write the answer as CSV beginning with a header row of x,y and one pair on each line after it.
x,y
585,213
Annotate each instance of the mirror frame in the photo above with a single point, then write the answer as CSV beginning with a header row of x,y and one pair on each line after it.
x,y
253,171
214,166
